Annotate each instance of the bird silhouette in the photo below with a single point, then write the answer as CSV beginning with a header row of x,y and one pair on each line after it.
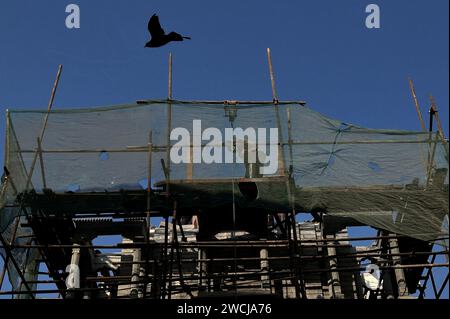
x,y
159,37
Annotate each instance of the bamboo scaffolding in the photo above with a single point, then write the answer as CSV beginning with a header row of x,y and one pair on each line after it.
x,y
178,281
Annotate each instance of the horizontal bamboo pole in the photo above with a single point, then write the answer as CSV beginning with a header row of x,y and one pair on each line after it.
x,y
163,148
221,102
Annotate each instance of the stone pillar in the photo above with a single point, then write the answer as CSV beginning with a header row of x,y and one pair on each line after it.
x,y
73,279
334,285
135,291
399,273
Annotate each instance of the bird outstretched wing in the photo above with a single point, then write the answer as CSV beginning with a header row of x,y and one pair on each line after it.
x,y
154,27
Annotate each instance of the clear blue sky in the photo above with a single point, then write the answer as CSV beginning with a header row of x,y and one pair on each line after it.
x,y
322,53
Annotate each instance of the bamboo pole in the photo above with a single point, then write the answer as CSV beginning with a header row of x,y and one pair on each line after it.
x,y
281,160
416,103
41,160
170,78
169,127
431,160
149,174
44,125
282,168
216,102
272,77
438,121
148,219
439,125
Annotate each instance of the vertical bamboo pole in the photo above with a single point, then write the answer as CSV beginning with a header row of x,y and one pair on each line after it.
x,y
430,135
438,122
281,164
444,143
169,126
170,78
7,139
272,77
431,160
166,168
37,153
44,125
52,98
419,113
416,103
148,221
291,152
41,162
149,174
190,164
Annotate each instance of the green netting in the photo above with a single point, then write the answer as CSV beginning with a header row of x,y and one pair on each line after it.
x,y
389,179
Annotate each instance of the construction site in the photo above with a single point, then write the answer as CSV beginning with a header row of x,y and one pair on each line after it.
x,y
200,228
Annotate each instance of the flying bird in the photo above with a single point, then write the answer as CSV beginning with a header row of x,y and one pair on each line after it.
x,y
159,37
